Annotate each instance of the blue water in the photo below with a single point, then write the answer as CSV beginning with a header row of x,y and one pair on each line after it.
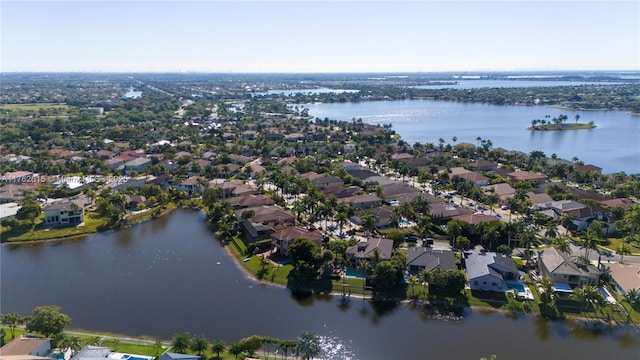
x,y
518,287
354,273
612,145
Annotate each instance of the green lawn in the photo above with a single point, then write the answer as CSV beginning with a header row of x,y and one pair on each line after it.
x,y
23,232
92,222
614,244
36,107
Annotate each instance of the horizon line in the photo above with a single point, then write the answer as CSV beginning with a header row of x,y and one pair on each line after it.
x,y
310,72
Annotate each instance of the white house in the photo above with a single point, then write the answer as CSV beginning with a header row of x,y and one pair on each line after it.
x,y
63,213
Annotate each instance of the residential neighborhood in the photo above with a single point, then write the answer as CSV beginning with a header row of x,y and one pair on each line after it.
x,y
322,206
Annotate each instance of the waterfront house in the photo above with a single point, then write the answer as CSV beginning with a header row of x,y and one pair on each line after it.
x,y
63,213
26,348
365,250
560,268
266,214
423,258
193,185
624,276
176,356
489,271
282,239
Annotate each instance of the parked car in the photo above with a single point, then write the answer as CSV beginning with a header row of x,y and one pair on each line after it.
x,y
411,238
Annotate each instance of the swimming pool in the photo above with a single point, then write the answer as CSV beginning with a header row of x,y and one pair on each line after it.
x,y
518,287
354,273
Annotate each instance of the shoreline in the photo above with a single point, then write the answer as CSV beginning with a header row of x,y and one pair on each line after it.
x,y
80,236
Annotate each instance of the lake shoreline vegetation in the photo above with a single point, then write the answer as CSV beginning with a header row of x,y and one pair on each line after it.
x,y
182,145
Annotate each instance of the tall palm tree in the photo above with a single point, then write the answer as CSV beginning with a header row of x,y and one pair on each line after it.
x,y
623,250
546,295
528,238
632,296
562,243
589,241
588,295
199,344
368,221
12,320
180,343
217,347
413,281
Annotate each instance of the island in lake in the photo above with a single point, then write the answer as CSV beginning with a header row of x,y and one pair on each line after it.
x,y
558,123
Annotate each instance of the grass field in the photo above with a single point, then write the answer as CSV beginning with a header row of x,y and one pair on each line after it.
x,y
36,107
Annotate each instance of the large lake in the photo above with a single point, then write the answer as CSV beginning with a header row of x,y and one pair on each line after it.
x,y
613,145
170,275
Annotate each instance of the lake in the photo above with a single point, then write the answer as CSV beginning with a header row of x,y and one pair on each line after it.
x,y
170,275
612,145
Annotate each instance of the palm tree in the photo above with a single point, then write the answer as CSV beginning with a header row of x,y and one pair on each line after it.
x,y
308,345
12,320
632,296
199,344
562,243
588,242
588,295
368,221
364,267
454,228
217,347
236,349
527,239
567,222
413,281
180,343
341,219
551,231
623,250
546,295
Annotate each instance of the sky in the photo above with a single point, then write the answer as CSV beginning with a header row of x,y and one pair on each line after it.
x,y
309,36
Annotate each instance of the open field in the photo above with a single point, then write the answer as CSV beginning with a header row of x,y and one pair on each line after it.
x,y
35,107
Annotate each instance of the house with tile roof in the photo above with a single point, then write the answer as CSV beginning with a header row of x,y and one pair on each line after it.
x,y
365,250
26,347
283,239
561,268
489,271
423,258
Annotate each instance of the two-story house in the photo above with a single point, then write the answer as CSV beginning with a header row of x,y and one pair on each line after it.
x,y
63,213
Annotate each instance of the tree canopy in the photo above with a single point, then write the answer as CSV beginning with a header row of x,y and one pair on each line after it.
x,y
47,320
